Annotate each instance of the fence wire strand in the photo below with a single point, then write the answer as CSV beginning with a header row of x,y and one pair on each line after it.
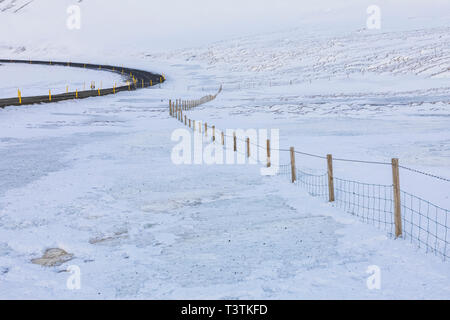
x,y
372,203
423,222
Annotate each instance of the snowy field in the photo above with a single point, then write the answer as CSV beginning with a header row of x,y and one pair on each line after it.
x,y
28,78
94,177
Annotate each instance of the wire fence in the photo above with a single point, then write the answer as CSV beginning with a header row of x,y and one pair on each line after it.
x,y
385,206
373,203
423,223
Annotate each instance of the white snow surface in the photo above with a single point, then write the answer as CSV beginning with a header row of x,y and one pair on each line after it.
x,y
95,178
58,79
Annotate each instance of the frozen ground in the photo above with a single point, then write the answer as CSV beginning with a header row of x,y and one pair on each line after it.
x,y
94,177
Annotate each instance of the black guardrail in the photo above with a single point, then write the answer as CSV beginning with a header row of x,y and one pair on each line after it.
x,y
137,79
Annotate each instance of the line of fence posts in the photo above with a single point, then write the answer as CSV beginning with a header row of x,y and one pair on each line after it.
x,y
176,110
331,194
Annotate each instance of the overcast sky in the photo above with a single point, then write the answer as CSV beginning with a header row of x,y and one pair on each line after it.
x,y
183,23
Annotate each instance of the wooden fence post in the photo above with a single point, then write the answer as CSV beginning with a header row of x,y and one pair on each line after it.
x,y
397,203
248,147
223,139
234,142
330,178
170,107
189,123
185,121
193,125
268,153
293,170
214,133
206,129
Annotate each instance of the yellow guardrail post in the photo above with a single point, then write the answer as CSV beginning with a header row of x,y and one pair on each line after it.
x,y
76,93
20,96
49,95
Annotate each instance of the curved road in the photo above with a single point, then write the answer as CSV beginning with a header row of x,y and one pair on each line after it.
x,y
138,79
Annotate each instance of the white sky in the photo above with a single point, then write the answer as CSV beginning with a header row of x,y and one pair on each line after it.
x,y
183,23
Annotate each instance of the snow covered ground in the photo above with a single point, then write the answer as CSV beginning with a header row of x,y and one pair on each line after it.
x,y
28,78
94,177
